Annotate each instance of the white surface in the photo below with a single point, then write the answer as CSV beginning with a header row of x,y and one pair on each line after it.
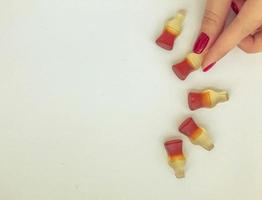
x,y
87,100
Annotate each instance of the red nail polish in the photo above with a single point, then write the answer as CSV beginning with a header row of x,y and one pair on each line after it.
x,y
234,7
207,68
201,43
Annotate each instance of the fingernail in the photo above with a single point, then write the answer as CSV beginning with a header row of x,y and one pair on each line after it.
x,y
207,68
234,7
201,43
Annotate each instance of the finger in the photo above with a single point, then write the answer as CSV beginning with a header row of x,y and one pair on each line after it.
x,y
252,43
212,23
245,23
236,5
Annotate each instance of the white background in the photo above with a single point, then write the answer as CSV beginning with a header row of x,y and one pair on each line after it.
x,y
87,99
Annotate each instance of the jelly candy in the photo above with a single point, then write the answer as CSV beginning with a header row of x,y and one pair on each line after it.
x,y
206,99
176,158
196,134
172,29
191,63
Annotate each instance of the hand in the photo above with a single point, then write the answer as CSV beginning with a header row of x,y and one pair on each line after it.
x,y
244,31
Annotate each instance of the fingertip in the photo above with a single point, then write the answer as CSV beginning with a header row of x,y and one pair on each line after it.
x,y
208,61
208,67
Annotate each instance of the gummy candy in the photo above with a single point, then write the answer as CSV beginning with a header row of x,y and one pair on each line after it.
x,y
172,30
176,158
196,134
191,63
206,99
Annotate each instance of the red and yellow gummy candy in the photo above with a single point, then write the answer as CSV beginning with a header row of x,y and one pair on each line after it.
x,y
172,29
206,99
191,63
196,134
176,158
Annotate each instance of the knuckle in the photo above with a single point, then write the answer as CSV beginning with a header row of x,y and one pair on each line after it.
x,y
211,18
254,50
247,49
246,28
243,29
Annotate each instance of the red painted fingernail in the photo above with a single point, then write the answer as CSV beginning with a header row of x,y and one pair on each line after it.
x,y
234,7
201,43
207,68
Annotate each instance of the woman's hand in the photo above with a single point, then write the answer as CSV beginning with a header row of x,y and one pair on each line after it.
x,y
244,30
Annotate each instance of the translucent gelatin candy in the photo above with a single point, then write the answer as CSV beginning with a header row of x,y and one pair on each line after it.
x,y
172,29
176,158
191,63
196,134
206,99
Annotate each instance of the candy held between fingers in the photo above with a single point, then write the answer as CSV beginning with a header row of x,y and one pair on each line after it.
x,y
191,63
172,29
196,134
206,99
176,158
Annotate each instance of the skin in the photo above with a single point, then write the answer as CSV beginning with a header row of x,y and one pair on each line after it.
x,y
245,31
